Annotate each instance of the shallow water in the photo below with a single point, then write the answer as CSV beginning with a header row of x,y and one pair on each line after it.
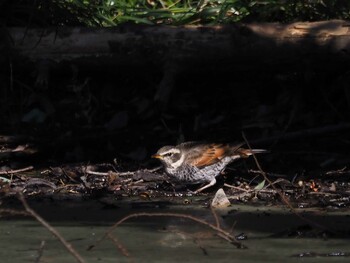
x,y
269,230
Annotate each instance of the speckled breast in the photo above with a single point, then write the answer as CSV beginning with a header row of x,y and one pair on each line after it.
x,y
193,175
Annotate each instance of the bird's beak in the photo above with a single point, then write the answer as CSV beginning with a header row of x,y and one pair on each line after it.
x,y
157,156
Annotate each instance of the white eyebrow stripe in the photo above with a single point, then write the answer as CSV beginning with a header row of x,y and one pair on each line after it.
x,y
171,151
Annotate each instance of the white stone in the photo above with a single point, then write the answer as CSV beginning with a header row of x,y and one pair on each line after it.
x,y
220,199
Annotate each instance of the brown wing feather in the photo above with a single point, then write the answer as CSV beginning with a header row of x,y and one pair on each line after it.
x,y
210,155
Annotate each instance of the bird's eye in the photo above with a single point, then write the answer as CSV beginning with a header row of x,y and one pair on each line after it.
x,y
168,154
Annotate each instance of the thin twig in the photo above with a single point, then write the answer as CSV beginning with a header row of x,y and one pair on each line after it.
x,y
40,251
223,232
233,225
42,221
17,171
126,173
236,188
282,196
275,182
269,174
122,173
97,173
337,172
154,169
13,212
119,245
217,222
136,182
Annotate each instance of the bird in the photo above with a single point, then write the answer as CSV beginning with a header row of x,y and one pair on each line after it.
x,y
200,162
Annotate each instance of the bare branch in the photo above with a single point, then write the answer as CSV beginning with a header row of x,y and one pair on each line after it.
x,y
65,243
232,239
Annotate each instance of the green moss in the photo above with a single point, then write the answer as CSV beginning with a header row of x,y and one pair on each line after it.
x,y
105,13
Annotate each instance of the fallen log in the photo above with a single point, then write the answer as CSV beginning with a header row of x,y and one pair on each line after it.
x,y
238,44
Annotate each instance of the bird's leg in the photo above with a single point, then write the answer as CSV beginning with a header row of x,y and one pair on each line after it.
x,y
212,182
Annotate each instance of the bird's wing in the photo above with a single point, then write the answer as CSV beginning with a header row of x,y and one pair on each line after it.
x,y
207,154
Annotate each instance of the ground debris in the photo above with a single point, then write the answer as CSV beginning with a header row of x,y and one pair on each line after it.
x,y
81,179
329,190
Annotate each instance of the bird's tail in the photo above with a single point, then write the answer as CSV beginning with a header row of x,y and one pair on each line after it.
x,y
244,153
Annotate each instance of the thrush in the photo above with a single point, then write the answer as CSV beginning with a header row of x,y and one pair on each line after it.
x,y
195,162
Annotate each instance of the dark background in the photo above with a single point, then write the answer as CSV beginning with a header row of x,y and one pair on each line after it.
x,y
104,113
70,112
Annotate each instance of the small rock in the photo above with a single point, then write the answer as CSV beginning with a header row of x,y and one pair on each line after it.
x,y
333,188
220,199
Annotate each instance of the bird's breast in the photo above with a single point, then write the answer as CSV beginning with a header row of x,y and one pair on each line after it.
x,y
193,175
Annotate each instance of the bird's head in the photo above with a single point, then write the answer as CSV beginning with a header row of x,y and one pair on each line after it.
x,y
170,156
